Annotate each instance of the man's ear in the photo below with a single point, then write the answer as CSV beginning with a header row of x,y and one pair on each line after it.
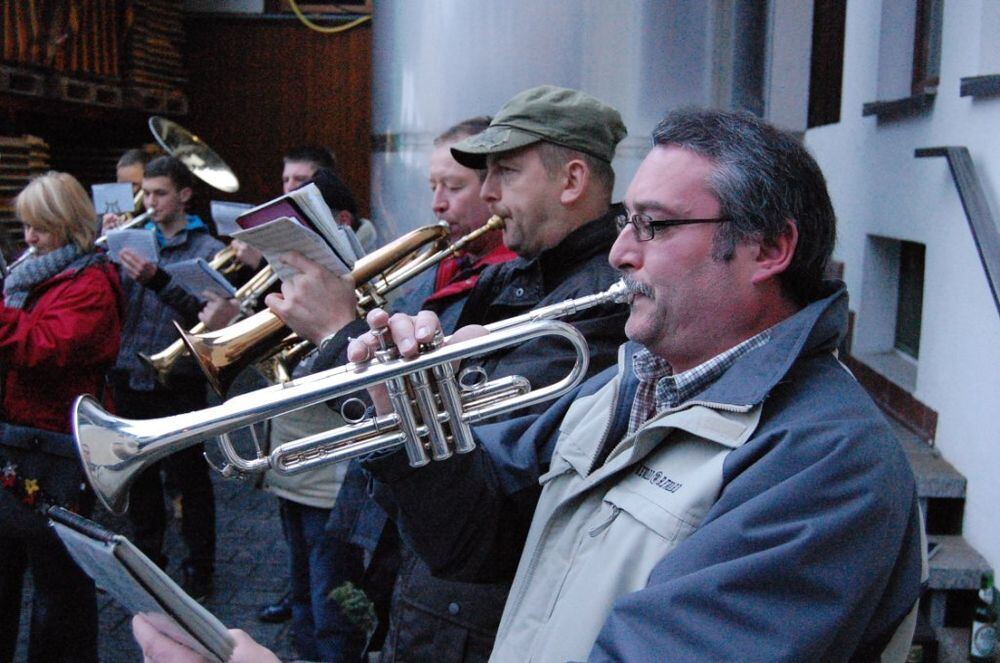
x,y
185,194
575,175
774,256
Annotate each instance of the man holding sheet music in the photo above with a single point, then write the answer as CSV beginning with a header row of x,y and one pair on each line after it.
x,y
154,300
316,566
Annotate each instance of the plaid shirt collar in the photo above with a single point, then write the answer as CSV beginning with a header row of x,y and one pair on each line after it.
x,y
659,389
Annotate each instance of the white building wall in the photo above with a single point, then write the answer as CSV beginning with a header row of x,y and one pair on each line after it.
x,y
879,188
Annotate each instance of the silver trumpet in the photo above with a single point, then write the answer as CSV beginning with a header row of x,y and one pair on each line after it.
x,y
28,252
431,414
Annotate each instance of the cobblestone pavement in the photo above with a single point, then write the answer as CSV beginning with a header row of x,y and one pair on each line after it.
x,y
250,571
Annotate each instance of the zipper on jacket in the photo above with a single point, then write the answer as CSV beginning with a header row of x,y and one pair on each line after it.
x,y
725,407
607,428
615,510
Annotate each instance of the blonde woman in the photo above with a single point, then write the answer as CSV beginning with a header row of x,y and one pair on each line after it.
x,y
60,323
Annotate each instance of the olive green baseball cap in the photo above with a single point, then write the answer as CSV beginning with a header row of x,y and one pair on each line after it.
x,y
569,118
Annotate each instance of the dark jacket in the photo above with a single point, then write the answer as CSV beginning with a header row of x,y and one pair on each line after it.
x,y
578,266
811,549
151,310
443,620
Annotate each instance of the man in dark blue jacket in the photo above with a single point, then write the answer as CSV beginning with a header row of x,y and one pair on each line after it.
x,y
154,301
728,491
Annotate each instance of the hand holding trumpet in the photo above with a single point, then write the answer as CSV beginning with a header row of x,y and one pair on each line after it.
x,y
407,333
110,222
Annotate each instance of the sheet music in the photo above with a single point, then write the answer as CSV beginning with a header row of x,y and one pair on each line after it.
x,y
224,215
197,276
114,198
284,234
140,241
140,586
352,239
312,203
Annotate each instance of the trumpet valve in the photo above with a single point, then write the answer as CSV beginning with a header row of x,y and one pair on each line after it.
x,y
399,397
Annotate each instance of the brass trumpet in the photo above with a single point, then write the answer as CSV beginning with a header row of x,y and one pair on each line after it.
x,y
225,261
431,424
224,353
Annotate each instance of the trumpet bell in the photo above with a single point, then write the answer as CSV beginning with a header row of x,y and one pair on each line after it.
x,y
108,454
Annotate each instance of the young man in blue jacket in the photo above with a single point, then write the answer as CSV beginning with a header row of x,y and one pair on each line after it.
x,y
154,301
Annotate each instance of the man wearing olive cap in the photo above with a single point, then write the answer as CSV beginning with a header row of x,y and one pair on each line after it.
x,y
547,155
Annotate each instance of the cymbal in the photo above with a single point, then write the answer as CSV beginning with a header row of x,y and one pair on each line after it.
x,y
190,150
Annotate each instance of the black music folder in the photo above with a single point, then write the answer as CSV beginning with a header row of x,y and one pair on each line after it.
x,y
139,585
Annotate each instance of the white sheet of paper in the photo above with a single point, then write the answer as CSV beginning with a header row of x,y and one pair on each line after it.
x,y
285,234
197,276
114,198
224,215
141,241
314,205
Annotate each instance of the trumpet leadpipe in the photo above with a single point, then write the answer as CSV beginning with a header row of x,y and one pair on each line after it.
x,y
131,223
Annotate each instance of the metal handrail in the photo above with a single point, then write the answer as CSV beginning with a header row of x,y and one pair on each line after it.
x,y
977,211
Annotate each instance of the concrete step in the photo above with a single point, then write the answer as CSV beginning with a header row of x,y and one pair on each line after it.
x,y
954,564
955,572
936,477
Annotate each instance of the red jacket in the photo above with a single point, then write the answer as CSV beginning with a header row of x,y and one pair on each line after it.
x,y
60,345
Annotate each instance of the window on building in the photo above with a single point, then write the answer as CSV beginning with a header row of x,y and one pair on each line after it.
x,y
890,314
909,58
927,45
910,298
826,66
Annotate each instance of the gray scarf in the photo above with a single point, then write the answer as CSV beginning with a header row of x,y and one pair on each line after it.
x,y
37,270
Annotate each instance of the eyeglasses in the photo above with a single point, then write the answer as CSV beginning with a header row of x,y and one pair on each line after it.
x,y
645,226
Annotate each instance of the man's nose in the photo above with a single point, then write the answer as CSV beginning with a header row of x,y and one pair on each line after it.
x,y
626,252
490,190
439,203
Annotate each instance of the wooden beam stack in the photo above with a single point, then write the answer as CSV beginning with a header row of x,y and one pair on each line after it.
x,y
99,52
155,64
21,158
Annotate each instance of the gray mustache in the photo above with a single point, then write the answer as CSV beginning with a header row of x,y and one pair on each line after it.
x,y
636,288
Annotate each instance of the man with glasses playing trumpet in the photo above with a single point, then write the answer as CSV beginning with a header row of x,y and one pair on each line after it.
x,y
728,491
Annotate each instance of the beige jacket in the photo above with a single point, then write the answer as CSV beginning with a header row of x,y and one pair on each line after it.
x,y
595,538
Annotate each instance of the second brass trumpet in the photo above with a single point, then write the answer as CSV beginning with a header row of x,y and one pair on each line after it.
x,y
224,353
